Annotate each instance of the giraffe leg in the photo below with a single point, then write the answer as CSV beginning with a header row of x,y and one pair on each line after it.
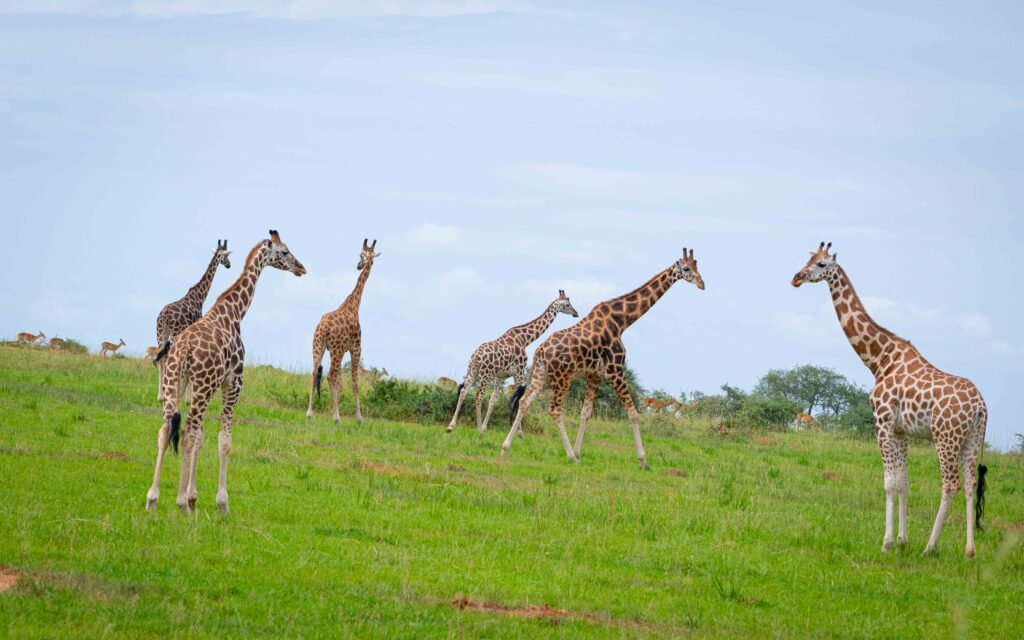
x,y
490,404
478,398
160,380
356,360
520,381
888,444
593,382
162,440
902,487
229,391
463,390
318,358
559,391
524,405
968,464
192,440
949,454
334,382
618,382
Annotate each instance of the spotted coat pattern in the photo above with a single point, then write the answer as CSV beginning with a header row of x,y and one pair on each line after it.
x,y
911,398
177,315
505,357
209,355
339,333
593,349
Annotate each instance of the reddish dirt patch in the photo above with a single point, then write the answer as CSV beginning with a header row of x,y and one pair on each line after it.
x,y
676,473
380,468
763,440
7,578
1017,526
831,475
532,611
455,467
116,455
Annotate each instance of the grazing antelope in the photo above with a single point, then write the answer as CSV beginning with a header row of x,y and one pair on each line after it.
x,y
805,419
28,338
593,349
686,406
447,382
911,398
111,347
56,343
655,404
152,351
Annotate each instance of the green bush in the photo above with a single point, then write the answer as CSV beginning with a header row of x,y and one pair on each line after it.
x,y
74,346
765,413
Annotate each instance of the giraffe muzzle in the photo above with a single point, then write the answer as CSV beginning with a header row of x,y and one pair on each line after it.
x,y
798,279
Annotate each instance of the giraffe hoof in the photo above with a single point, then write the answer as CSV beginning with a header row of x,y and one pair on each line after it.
x,y
928,551
644,466
887,546
151,504
901,542
969,552
192,504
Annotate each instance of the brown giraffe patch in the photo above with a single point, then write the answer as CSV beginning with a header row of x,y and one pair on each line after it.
x,y
593,349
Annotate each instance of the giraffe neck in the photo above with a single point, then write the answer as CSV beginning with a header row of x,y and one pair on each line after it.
x,y
201,289
627,309
872,342
356,297
524,334
235,300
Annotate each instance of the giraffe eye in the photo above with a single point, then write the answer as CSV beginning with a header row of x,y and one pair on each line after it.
x,y
822,264
686,268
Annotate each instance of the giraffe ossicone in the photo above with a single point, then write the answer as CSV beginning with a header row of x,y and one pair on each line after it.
x,y
593,349
505,357
209,355
911,398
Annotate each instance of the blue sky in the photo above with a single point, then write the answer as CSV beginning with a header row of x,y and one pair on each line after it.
x,y
500,151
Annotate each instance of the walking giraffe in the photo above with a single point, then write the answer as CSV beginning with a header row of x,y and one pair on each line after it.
x,y
911,398
339,332
206,356
176,316
495,361
593,348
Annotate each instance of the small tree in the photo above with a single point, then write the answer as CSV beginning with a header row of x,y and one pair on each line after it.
x,y
809,386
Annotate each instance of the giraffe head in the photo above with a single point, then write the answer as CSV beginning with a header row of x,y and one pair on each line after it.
x,y
686,269
221,254
278,256
367,255
562,305
820,266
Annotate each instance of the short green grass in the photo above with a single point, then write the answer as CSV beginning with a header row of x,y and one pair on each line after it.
x,y
375,531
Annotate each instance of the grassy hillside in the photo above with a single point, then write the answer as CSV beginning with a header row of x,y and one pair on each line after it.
x,y
399,530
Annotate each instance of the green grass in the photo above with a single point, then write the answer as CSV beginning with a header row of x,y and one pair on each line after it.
x,y
345,531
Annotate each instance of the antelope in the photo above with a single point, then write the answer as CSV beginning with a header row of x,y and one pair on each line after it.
x,y
805,419
447,382
56,343
111,347
28,338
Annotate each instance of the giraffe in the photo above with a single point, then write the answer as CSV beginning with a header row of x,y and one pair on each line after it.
x,y
28,338
339,332
111,347
911,399
177,315
593,348
206,356
495,361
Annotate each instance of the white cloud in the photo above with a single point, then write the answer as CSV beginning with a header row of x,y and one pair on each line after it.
x,y
462,277
281,9
975,324
434,236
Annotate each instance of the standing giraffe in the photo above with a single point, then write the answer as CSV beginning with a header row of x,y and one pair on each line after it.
x,y
495,361
206,356
911,398
339,332
174,317
593,348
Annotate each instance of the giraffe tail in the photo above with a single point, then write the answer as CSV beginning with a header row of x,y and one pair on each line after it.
x,y
979,497
175,430
163,352
514,403
319,377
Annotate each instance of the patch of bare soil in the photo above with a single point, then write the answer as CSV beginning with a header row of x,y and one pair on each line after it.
x,y
116,455
455,467
532,611
1017,526
763,440
7,578
676,473
831,475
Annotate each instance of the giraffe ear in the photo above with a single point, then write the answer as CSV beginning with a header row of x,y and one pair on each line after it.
x,y
274,236
561,294
365,246
374,245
